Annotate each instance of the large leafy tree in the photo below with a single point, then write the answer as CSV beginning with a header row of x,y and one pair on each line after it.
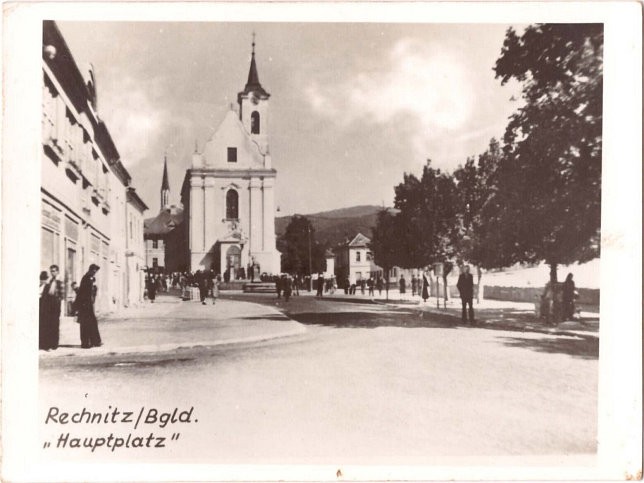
x,y
294,245
427,216
386,239
547,202
474,235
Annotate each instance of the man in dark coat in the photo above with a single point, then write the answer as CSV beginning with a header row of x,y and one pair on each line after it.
x,y
320,285
403,284
286,287
89,334
202,282
465,287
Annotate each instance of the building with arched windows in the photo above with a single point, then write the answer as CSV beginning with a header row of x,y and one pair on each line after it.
x,y
228,193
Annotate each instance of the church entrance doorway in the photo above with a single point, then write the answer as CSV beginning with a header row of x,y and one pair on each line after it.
x,y
233,261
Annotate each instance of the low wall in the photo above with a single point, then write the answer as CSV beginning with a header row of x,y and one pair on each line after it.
x,y
587,296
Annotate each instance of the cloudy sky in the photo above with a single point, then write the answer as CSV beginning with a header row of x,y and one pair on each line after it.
x,y
353,106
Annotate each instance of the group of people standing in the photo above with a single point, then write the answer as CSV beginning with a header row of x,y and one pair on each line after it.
x,y
52,293
206,280
208,284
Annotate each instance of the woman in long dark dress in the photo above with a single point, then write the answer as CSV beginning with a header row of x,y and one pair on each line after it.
x,y
425,288
42,314
568,297
152,288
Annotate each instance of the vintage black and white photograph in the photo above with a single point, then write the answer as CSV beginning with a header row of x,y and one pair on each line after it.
x,y
320,243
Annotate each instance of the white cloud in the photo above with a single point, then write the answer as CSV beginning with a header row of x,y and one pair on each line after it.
x,y
136,117
421,84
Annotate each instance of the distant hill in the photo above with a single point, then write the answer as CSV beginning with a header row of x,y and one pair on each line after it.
x,y
334,226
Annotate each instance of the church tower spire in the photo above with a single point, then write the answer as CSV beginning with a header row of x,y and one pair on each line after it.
x,y
165,185
253,105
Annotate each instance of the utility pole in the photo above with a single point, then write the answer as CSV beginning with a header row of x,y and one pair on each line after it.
x,y
308,229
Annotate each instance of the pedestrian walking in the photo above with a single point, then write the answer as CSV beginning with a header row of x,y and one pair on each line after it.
x,y
320,285
202,282
215,289
403,285
379,285
465,287
89,334
414,285
210,283
568,298
286,287
425,293
370,284
278,286
152,288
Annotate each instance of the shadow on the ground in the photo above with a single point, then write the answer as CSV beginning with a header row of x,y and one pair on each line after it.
x,y
369,320
278,317
582,347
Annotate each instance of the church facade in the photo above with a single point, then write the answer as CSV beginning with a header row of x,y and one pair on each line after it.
x,y
228,193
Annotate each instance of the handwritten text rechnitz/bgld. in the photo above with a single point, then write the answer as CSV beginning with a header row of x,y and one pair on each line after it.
x,y
119,417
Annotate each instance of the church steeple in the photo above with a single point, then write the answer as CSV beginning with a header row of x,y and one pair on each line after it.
x,y
253,84
165,185
253,106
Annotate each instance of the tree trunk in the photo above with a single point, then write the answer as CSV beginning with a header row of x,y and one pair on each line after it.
x,y
557,305
445,291
553,273
479,275
387,284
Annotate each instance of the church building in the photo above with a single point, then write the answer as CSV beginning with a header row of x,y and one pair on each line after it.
x,y
165,247
228,193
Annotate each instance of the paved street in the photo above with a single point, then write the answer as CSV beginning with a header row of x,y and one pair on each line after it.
x,y
359,384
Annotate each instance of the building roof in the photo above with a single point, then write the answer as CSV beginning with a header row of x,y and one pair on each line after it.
x,y
166,221
253,84
164,183
359,241
135,199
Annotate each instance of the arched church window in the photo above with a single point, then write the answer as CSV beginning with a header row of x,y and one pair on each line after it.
x,y
254,122
232,204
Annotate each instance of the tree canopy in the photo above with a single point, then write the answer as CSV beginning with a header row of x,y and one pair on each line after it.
x,y
294,246
428,209
547,199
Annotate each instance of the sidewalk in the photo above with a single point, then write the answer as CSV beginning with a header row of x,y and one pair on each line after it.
x,y
496,314
169,324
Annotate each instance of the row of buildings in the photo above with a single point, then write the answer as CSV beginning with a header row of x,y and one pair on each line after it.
x,y
91,212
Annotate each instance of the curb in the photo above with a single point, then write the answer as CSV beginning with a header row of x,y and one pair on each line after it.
x,y
163,348
76,352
